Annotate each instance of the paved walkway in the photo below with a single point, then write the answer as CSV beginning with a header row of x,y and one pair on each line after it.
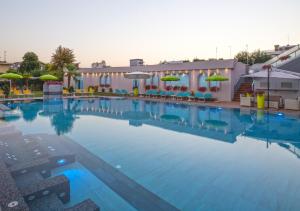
x,y
222,104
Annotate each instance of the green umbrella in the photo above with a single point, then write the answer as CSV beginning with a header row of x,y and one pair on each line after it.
x,y
11,76
217,78
48,77
170,78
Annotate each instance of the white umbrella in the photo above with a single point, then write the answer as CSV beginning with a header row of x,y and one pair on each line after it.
x,y
137,75
273,74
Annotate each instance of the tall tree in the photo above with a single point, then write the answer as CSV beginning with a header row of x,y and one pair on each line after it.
x,y
60,59
72,73
243,57
252,58
260,57
29,64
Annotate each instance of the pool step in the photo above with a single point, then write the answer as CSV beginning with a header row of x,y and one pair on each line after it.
x,y
48,203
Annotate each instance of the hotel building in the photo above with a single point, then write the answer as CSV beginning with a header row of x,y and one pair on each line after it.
x,y
192,77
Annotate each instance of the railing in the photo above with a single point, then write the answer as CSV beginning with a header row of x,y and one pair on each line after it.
x,y
291,54
238,83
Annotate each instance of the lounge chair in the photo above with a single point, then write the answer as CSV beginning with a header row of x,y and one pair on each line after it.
x,y
163,93
117,92
147,93
170,94
2,95
124,92
208,97
85,91
27,93
78,92
292,104
18,93
66,92
155,93
198,96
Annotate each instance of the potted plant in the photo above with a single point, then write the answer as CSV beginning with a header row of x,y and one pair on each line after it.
x,y
202,89
214,89
168,88
282,58
175,88
183,88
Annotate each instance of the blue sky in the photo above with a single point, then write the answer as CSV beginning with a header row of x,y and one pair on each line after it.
x,y
155,30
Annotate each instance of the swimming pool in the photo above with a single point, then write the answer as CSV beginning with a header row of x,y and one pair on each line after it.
x,y
190,157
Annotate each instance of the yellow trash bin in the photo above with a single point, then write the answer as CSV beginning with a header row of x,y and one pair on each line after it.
x,y
260,98
135,92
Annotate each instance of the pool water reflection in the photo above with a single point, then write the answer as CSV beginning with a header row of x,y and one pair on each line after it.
x,y
194,157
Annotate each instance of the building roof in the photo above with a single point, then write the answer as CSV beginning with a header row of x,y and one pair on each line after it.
x,y
199,65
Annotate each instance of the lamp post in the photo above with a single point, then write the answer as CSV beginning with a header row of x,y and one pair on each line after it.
x,y
268,68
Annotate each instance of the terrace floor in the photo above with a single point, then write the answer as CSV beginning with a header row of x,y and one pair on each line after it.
x,y
232,104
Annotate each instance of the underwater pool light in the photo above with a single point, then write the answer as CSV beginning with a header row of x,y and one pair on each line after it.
x,y
61,161
220,108
280,114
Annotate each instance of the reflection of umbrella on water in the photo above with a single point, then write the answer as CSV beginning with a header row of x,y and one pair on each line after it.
x,y
135,117
216,123
170,117
11,118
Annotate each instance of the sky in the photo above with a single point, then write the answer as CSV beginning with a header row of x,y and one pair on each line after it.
x,y
154,30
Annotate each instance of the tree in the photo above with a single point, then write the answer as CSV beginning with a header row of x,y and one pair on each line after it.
x,y
252,58
243,57
260,57
71,73
29,64
60,59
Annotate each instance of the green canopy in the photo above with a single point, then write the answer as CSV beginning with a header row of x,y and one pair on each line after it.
x,y
217,78
48,77
170,78
11,76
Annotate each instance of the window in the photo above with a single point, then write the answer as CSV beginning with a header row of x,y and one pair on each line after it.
x,y
152,83
263,84
102,80
108,80
202,80
287,85
105,80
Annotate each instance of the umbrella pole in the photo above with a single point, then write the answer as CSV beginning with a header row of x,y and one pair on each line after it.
x,y
9,87
268,97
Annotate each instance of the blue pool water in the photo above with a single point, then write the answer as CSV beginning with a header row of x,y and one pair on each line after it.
x,y
192,157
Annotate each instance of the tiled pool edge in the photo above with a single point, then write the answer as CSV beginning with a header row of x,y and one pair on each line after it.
x,y
128,189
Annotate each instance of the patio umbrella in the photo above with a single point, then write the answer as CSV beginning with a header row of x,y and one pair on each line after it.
x,y
48,77
170,78
135,76
216,78
10,77
271,72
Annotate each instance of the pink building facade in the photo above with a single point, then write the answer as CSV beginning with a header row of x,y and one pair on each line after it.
x,y
192,77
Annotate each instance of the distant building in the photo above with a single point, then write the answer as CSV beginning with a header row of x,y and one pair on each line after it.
x,y
136,62
101,64
4,66
278,50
